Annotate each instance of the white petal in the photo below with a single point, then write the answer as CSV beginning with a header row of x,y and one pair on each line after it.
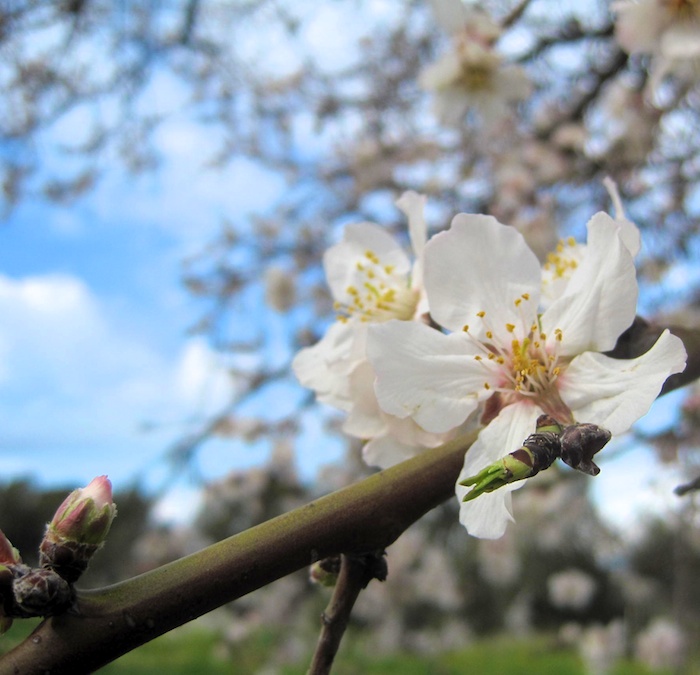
x,y
629,232
426,375
340,261
480,265
387,451
488,515
615,393
681,41
413,205
451,15
365,419
325,366
600,300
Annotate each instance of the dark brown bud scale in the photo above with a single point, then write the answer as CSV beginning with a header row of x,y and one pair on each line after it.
x,y
41,592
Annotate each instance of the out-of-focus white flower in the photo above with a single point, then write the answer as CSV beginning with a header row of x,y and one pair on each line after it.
x,y
601,646
571,589
661,645
667,29
280,290
473,76
625,133
484,284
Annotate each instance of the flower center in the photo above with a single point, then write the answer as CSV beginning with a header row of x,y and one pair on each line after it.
x,y
478,68
525,367
683,9
563,260
379,293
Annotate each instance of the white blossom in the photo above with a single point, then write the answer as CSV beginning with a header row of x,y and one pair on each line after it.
x,y
471,75
571,589
667,29
484,285
661,645
372,280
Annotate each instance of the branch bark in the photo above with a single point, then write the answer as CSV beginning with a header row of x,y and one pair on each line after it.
x,y
367,516
364,517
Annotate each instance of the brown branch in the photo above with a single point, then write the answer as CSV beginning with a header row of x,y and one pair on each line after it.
x,y
355,573
366,516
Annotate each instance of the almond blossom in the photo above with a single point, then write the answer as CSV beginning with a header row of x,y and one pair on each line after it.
x,y
505,355
372,280
472,75
667,29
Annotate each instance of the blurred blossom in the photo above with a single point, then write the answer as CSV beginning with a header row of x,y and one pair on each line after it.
x,y
472,75
668,30
280,289
571,589
661,646
499,562
601,646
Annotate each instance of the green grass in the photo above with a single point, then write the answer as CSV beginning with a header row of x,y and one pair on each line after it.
x,y
192,650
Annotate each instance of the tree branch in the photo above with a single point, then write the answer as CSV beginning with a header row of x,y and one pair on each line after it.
x,y
366,516
355,573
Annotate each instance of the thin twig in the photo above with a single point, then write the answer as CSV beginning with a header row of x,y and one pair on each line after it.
x,y
356,571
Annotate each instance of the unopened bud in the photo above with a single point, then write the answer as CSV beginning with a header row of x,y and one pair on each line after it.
x,y
8,553
78,529
325,572
579,443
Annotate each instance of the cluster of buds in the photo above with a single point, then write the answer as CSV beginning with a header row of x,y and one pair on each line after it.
x,y
75,533
575,445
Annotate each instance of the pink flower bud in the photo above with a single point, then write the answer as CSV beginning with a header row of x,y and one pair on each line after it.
x,y
86,515
8,553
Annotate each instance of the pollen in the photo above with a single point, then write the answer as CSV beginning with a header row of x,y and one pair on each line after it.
x,y
378,292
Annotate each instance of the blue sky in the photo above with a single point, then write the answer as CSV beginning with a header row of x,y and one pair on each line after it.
x,y
93,322
93,338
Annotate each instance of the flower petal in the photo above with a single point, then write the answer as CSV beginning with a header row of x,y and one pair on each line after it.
x,y
481,265
413,205
341,261
426,375
324,367
488,515
615,393
600,300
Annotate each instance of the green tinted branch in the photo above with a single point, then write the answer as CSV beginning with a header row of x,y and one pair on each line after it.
x,y
366,516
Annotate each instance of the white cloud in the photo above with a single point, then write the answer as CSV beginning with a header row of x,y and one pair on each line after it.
x,y
75,375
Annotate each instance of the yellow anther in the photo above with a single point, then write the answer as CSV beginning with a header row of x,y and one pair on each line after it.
x,y
525,296
510,327
571,241
489,334
478,357
518,302
465,327
486,386
351,290
389,269
481,314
